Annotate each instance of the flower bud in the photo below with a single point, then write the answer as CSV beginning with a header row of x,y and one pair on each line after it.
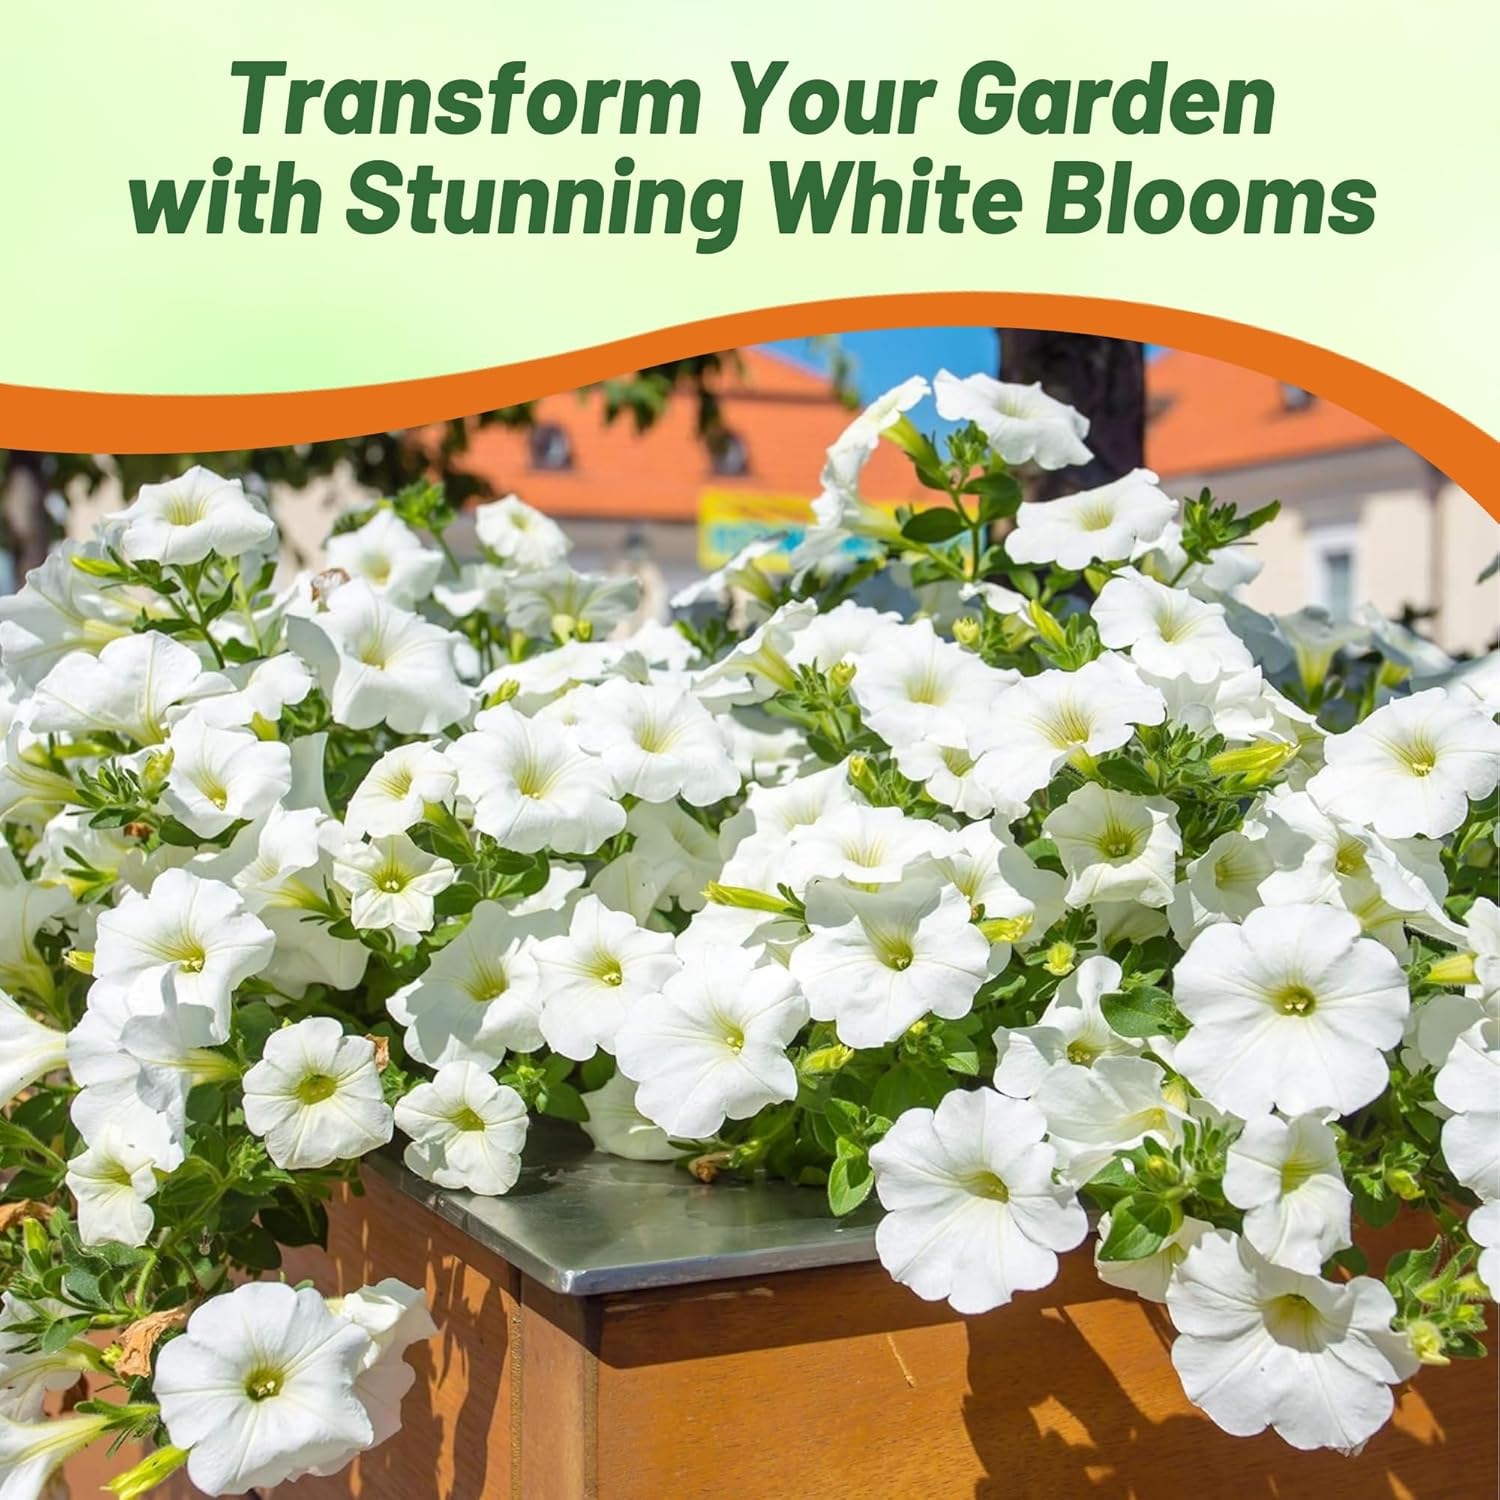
x,y
1453,968
1253,764
967,631
1047,625
80,960
744,898
825,1060
1404,1185
840,675
151,1471
1427,1342
1061,959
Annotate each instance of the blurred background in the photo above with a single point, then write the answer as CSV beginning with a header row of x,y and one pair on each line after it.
x,y
668,471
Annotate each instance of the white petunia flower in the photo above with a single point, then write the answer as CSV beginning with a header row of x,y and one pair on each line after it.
x,y
1312,638
27,1374
466,1130
757,666
592,976
1484,1229
1387,883
1101,525
1043,722
558,603
855,445
847,631
878,961
1023,423
1285,1174
381,665
953,776
135,1055
533,787
395,1316
863,845
680,854
196,932
1116,847
31,1452
519,534
778,811
315,1096
1112,1105
260,1387
282,867
1071,1032
1261,1346
261,693
618,1128
389,556
112,1182
1166,630
478,999
999,881
59,609
129,688
1469,1084
223,776
1291,1009
398,788
392,885
712,1045
1412,767
972,1212
1223,884
1149,1276
914,686
28,1050
658,743
185,519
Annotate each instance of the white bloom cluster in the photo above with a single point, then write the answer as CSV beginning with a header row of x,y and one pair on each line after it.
x,y
1003,865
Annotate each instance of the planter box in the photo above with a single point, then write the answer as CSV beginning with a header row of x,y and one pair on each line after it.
x,y
614,1330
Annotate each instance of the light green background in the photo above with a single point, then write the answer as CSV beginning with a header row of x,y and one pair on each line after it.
x,y
97,92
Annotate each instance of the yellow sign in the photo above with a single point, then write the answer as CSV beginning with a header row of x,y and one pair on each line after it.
x,y
729,520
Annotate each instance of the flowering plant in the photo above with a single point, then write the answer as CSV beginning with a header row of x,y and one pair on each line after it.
x,y
991,858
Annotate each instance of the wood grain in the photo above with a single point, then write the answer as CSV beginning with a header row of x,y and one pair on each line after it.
x,y
832,1383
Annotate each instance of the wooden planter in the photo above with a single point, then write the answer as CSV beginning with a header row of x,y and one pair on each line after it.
x,y
614,1330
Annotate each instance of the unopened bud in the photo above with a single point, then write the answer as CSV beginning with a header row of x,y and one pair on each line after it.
x,y
744,898
1454,968
1404,1185
155,772
1253,764
967,631
825,1060
150,1472
503,692
840,675
1427,1342
1047,625
1006,929
80,960
1061,959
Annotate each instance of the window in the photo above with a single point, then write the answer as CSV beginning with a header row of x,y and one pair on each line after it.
x,y
550,447
1333,569
731,457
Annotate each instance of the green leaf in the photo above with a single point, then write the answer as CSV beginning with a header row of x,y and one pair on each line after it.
x,y
908,1086
1138,1227
963,1060
1121,772
1141,1011
290,1224
935,525
846,1119
849,1182
62,1332
254,1248
564,1102
999,496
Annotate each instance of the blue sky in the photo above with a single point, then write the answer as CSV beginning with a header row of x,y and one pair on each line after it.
x,y
885,357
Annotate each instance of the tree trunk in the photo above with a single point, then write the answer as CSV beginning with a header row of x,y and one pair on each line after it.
x,y
1105,379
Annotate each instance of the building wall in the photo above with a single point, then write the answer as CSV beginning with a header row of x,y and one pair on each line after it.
x,y
1413,537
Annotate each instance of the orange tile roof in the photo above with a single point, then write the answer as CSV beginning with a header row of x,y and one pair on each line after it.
x,y
1208,416
785,415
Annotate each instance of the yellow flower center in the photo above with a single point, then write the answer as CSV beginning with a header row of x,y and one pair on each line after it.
x,y
989,1185
263,1382
1294,1000
314,1088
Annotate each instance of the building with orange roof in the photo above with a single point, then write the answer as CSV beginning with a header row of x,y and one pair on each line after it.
x,y
1364,519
